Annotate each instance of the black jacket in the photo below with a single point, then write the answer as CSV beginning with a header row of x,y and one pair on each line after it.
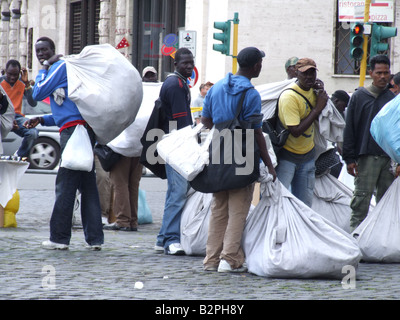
x,y
361,110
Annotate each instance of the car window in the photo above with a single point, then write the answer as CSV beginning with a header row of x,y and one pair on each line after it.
x,y
42,107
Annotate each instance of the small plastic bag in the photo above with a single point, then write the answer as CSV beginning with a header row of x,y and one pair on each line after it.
x,y
78,153
144,212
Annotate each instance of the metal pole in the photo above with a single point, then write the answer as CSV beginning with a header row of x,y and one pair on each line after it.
x,y
235,42
363,67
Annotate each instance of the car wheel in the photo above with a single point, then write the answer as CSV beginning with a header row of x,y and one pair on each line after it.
x,y
45,154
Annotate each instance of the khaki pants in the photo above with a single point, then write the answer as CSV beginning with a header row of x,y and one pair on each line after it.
x,y
125,177
229,211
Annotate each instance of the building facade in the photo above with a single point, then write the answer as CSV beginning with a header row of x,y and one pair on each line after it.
x,y
146,32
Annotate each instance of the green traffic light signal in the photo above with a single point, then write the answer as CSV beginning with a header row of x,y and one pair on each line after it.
x,y
378,34
356,41
224,37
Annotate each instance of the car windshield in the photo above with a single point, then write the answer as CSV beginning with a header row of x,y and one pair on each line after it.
x,y
42,107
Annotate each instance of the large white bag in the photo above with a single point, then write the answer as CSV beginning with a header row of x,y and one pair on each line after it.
x,y
182,151
194,222
78,152
384,128
284,238
128,142
332,200
379,234
106,88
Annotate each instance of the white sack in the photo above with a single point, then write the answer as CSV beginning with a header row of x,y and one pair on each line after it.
x,y
181,150
284,238
128,142
379,234
332,200
107,89
194,222
269,93
331,123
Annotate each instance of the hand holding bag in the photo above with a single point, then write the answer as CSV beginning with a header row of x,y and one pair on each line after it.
x,y
78,152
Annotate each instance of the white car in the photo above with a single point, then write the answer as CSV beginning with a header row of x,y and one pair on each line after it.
x,y
46,152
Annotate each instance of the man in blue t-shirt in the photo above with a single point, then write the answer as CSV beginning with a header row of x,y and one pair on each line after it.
x,y
175,97
230,207
52,82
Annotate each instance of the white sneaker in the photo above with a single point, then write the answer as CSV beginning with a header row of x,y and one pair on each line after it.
x,y
50,245
175,249
158,249
95,247
224,266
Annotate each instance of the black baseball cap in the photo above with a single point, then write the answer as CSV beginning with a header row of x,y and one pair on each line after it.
x,y
249,56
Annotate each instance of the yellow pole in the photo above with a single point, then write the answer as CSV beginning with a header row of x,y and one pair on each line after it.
x,y
363,67
235,42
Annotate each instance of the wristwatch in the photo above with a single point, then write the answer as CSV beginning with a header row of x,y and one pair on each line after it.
x,y
46,63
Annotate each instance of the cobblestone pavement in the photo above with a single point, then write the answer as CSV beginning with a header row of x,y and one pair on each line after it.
x,y
127,262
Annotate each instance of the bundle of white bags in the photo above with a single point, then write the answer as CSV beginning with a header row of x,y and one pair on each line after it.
x,y
284,238
106,88
378,236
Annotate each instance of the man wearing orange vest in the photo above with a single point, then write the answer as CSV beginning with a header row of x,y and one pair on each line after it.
x,y
16,85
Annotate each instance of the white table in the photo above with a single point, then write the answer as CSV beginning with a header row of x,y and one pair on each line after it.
x,y
11,172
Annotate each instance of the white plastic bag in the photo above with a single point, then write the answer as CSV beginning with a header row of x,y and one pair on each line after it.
x,y
106,88
194,222
78,152
384,128
286,239
379,234
181,150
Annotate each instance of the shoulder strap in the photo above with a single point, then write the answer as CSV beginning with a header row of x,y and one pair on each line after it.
x,y
240,104
309,103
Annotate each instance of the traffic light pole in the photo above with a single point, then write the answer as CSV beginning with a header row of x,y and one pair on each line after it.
x,y
235,42
363,67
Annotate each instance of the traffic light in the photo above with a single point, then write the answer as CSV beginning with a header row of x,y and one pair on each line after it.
x,y
378,34
224,37
356,41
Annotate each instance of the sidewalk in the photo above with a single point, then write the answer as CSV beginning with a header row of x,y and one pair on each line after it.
x,y
128,268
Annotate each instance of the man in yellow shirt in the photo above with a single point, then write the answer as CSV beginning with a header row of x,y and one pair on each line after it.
x,y
299,107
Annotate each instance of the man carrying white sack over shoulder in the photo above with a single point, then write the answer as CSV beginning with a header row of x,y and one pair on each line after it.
x,y
52,82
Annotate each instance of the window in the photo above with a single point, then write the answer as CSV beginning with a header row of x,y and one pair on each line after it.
x,y
84,21
154,20
344,64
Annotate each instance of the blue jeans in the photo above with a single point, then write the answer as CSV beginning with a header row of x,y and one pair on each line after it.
x,y
299,178
175,200
68,182
29,136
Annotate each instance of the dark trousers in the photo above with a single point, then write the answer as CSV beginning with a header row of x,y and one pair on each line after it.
x,y
68,182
